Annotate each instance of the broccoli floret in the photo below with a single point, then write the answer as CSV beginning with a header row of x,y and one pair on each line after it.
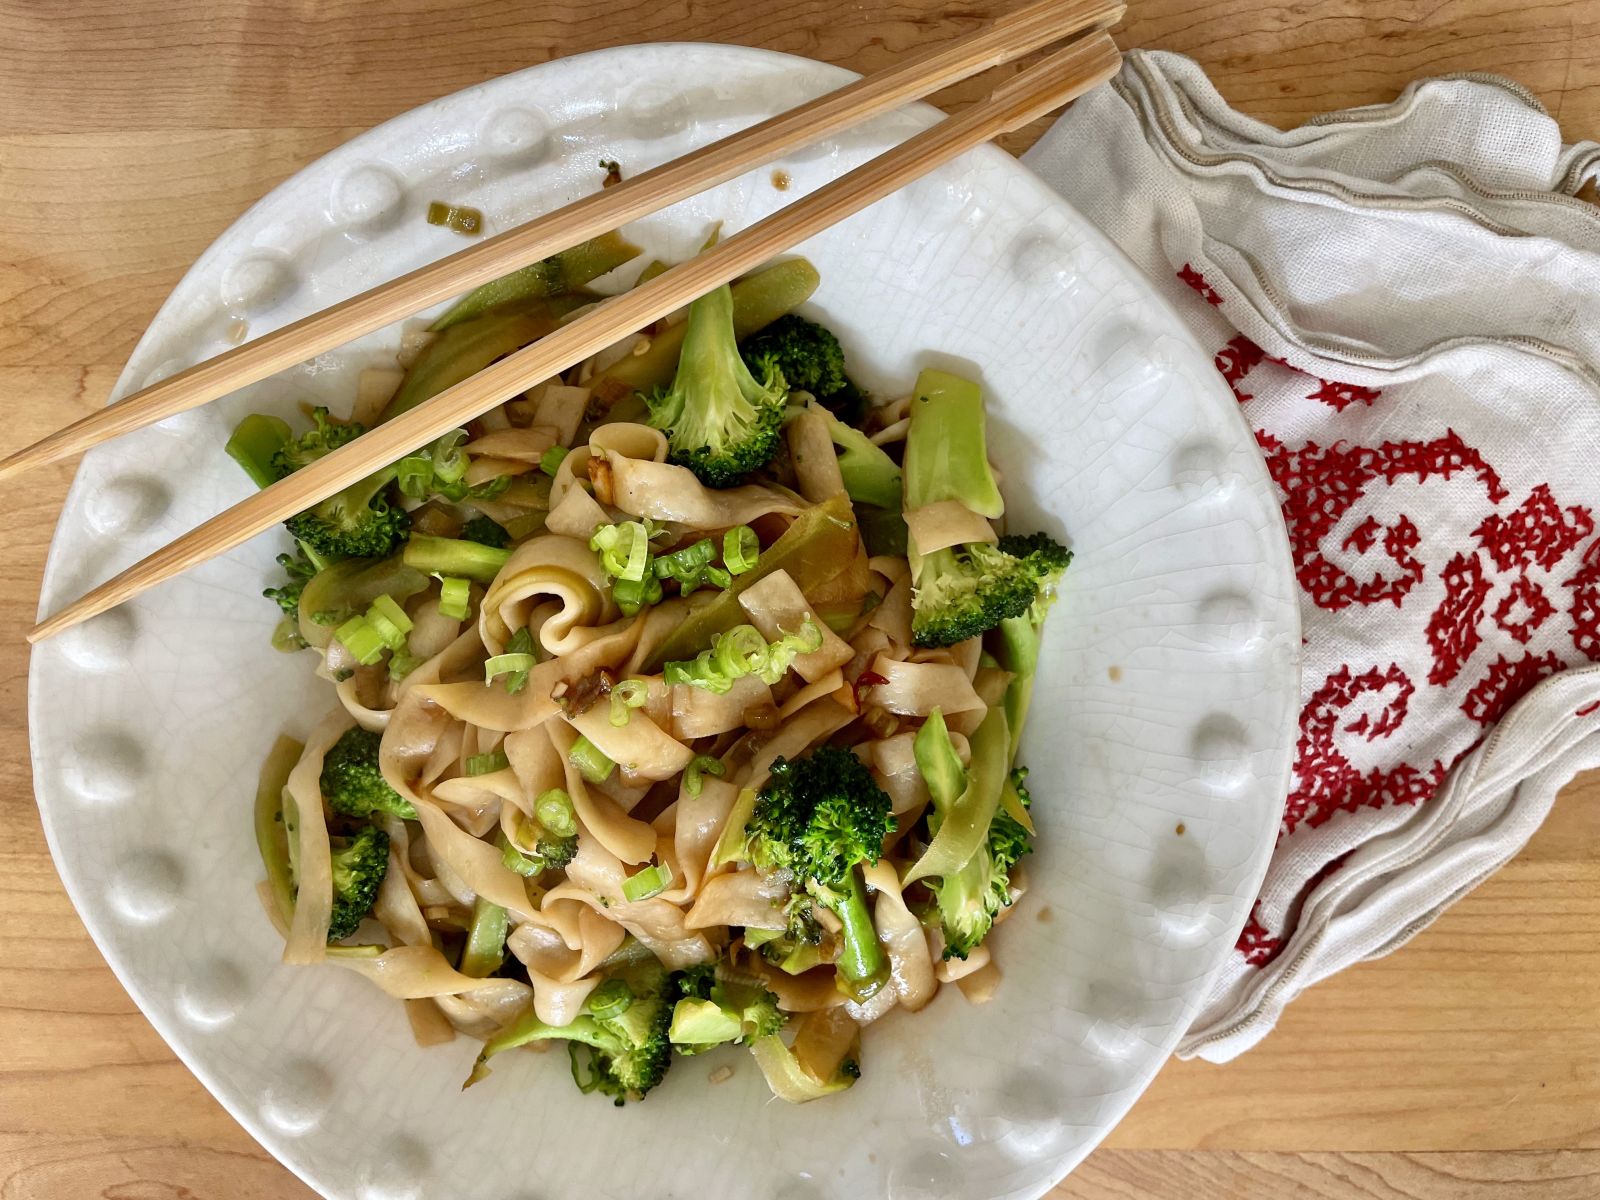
x,y
811,359
628,1050
358,522
359,865
327,437
352,785
721,421
870,475
970,899
721,1005
556,851
964,590
819,818
1018,643
299,569
485,531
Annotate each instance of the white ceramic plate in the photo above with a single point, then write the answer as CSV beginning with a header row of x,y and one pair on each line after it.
x,y
1160,741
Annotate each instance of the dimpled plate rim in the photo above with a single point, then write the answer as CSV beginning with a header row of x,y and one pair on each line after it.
x,y
1168,696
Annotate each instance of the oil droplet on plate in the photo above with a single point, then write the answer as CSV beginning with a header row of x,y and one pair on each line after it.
x,y
1114,674
780,180
1045,915
1181,829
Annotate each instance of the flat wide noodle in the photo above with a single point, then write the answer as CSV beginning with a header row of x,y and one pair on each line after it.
x,y
698,713
776,607
547,567
946,523
621,836
477,862
664,492
816,464
916,689
414,972
911,969
308,932
577,515
640,746
745,898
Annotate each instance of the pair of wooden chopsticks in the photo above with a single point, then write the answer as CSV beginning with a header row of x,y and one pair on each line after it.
x,y
1033,93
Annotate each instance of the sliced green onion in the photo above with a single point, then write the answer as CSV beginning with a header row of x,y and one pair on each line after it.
x,y
591,762
550,461
700,672
386,606
627,695
624,549
687,563
402,663
700,765
365,643
414,475
719,577
741,651
740,549
632,595
515,860
554,811
454,596
508,664
790,647
651,881
611,999
488,764
449,459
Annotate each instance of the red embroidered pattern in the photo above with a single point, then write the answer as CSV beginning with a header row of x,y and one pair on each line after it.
x,y
1321,484
1539,533
1340,396
1236,360
1453,628
1504,683
1585,609
1326,782
1257,945
1198,282
1530,597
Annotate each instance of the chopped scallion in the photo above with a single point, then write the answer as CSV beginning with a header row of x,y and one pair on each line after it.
x,y
488,764
651,881
365,643
554,811
550,461
591,762
454,597
627,695
740,549
699,766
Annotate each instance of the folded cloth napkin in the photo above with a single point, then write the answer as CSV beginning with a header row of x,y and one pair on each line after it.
x,y
1406,301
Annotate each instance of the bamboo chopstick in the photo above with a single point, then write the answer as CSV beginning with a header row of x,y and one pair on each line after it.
x,y
1048,85
916,76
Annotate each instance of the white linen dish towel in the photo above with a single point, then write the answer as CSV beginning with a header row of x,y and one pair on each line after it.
x,y
1406,300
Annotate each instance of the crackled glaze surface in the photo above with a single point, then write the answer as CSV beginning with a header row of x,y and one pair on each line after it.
x,y
1166,697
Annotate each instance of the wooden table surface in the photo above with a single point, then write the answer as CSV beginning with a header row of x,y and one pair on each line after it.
x,y
133,131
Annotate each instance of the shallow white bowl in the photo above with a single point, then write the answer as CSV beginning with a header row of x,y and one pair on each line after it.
x,y
1160,741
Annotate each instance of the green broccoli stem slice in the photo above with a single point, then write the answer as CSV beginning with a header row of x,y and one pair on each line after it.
x,y
947,455
255,441
1019,654
486,940
862,967
454,556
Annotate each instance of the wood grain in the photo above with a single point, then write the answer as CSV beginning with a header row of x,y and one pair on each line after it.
x,y
132,132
